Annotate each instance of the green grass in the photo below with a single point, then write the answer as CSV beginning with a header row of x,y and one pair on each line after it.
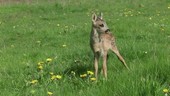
x,y
32,32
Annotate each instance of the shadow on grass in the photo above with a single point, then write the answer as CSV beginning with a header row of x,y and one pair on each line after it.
x,y
79,67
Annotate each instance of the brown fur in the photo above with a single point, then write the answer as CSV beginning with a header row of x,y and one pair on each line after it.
x,y
101,41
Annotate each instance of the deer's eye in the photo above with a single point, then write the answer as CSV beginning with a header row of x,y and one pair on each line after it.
x,y
101,25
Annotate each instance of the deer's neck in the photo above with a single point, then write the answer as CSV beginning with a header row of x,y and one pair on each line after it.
x,y
94,31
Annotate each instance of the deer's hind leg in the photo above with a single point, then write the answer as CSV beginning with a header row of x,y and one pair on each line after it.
x,y
116,51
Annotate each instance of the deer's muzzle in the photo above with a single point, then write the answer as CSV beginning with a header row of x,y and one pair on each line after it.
x,y
107,30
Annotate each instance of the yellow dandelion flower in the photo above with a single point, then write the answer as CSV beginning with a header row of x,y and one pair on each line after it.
x,y
58,25
49,93
64,45
34,81
162,29
58,76
93,79
90,73
38,42
165,90
48,59
40,63
51,73
83,75
72,72
40,67
53,77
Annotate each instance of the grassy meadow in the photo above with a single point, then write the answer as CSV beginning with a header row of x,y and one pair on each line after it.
x,y
44,48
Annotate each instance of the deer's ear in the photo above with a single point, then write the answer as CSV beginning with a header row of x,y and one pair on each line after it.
x,y
94,17
101,16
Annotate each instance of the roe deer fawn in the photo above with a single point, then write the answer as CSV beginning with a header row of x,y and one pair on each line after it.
x,y
101,41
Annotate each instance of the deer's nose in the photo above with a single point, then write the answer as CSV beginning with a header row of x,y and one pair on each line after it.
x,y
107,30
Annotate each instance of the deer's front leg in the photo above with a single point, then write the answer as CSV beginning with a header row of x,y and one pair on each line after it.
x,y
96,60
